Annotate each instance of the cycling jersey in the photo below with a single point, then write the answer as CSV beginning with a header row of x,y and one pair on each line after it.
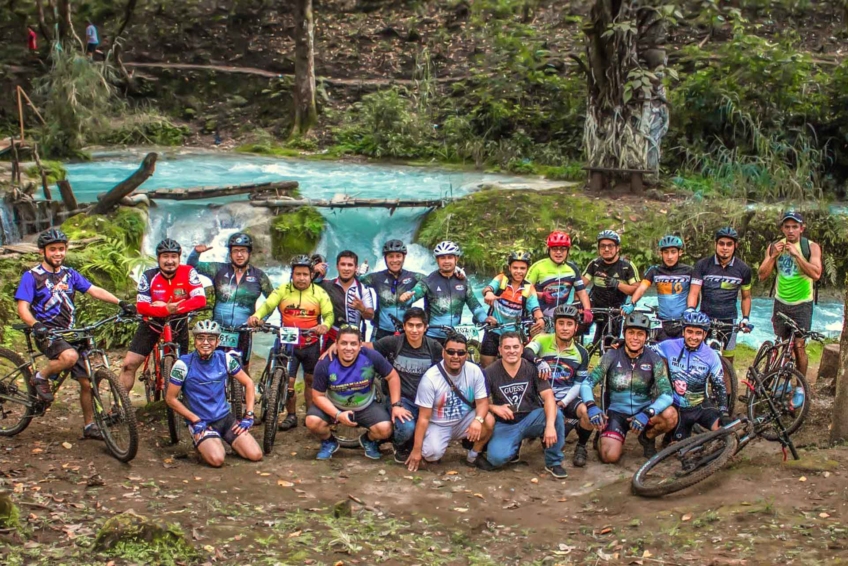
x,y
388,289
445,298
235,299
51,294
343,313
302,309
183,288
720,285
672,288
622,269
204,383
554,282
629,383
690,371
513,303
793,286
350,387
569,366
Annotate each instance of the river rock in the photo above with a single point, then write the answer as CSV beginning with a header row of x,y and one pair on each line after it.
x,y
132,529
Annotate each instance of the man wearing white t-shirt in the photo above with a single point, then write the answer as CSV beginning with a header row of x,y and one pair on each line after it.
x,y
453,404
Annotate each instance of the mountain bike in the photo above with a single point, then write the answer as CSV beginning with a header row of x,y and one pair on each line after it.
x,y
607,339
474,334
718,330
229,342
113,412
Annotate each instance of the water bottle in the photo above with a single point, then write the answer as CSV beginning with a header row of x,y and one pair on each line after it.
x,y
363,268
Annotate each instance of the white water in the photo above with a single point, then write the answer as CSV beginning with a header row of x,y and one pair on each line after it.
x,y
9,232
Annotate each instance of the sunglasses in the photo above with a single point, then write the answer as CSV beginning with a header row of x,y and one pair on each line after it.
x,y
453,352
348,327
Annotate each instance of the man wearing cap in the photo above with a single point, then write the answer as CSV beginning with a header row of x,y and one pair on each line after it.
x,y
799,266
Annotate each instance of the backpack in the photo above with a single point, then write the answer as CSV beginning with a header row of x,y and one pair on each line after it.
x,y
503,282
807,253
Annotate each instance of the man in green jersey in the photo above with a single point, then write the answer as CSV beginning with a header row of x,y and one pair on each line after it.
x,y
569,363
799,266
555,276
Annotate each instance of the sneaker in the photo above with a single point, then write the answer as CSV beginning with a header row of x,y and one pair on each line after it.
x,y
288,423
797,399
649,446
92,431
328,448
43,388
401,456
667,438
557,471
372,447
580,454
482,463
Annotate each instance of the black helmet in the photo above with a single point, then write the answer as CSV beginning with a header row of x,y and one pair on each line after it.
x,y
168,245
519,256
317,258
394,246
301,261
567,311
51,236
727,232
638,320
240,239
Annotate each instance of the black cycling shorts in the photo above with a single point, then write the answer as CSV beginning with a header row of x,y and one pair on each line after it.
x,y
222,428
306,357
801,314
689,417
570,410
617,426
147,336
490,344
373,414
51,349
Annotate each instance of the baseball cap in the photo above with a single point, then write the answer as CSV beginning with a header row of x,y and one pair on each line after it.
x,y
792,215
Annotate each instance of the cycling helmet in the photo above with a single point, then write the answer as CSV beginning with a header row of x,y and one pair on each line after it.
x,y
301,261
240,239
566,311
671,242
446,248
51,236
727,232
394,246
558,239
696,319
316,259
609,235
168,245
519,256
206,327
638,320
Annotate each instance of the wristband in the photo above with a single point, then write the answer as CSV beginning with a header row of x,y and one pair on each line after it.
x,y
589,404
336,418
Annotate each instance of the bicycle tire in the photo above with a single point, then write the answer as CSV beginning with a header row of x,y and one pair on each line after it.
x,y
279,381
756,406
107,422
731,384
765,356
175,426
235,392
348,437
641,485
26,402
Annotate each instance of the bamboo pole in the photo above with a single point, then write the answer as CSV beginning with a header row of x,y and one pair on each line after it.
x,y
44,184
20,115
31,105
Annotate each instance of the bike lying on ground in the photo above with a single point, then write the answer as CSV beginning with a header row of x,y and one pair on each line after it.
x,y
731,382
694,459
113,412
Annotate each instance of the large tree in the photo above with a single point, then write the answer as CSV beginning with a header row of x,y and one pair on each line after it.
x,y
839,425
305,109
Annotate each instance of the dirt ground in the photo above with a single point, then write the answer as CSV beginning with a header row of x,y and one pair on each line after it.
x,y
292,509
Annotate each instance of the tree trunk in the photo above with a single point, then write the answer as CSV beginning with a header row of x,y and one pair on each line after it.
x,y
128,12
305,110
42,24
66,25
839,426
111,199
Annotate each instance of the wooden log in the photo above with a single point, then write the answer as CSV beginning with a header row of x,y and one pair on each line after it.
x,y
348,203
636,185
596,181
255,190
67,193
829,367
112,198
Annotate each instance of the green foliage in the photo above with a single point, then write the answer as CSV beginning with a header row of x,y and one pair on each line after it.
x,y
296,232
126,224
142,128
54,169
263,143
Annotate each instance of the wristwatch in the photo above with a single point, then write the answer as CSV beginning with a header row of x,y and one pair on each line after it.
x,y
398,404
479,419
249,414
650,412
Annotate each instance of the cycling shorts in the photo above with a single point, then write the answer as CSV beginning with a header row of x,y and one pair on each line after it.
x,y
801,314
617,426
306,357
221,429
490,343
689,417
570,410
53,348
146,337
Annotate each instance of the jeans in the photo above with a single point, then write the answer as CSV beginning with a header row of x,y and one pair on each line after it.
x,y
507,438
404,432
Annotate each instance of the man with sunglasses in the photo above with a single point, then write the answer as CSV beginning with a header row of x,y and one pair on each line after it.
x,y
343,391
717,281
453,404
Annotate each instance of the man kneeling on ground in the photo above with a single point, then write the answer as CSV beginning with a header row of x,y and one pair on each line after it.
x,y
202,376
517,403
452,404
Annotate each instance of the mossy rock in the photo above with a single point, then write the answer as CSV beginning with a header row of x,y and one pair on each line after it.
x,y
813,462
126,224
296,232
10,516
54,169
137,538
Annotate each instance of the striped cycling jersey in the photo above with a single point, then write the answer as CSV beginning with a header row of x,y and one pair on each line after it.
x,y
554,282
301,309
513,303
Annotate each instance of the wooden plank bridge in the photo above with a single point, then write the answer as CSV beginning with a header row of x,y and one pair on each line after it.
x,y
344,201
255,190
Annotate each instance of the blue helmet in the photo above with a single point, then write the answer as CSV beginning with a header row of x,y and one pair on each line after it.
x,y
609,235
671,242
696,319
727,232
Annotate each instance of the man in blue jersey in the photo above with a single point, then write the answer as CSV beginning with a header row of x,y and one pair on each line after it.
x,y
389,284
445,294
45,301
672,279
691,364
202,377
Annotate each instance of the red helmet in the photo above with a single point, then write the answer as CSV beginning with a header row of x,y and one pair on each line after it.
x,y
559,239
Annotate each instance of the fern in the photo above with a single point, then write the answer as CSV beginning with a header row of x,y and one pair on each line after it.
x,y
831,270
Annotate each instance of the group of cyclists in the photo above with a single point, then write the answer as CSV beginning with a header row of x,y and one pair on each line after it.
x,y
413,383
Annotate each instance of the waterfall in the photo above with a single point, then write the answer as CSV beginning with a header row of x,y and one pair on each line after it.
x,y
9,232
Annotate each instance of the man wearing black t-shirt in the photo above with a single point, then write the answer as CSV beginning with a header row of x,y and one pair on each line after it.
x,y
524,407
411,354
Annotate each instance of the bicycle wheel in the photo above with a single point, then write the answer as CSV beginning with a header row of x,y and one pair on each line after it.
x,y
685,463
235,395
115,415
176,426
17,394
731,386
473,348
273,402
788,390
764,357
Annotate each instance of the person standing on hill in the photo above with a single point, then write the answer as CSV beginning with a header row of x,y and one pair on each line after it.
x,y
799,265
91,39
32,40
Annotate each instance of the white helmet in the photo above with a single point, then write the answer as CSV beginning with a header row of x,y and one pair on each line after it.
x,y
206,327
447,248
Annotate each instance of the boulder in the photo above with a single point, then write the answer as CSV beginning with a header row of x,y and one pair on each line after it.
x,y
131,530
